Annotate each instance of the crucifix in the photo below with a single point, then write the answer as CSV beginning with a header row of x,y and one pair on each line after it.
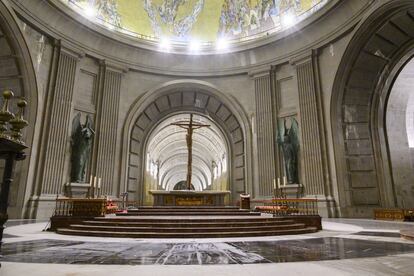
x,y
190,127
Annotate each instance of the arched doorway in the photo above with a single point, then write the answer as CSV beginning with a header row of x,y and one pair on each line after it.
x,y
166,157
380,46
17,73
399,116
185,97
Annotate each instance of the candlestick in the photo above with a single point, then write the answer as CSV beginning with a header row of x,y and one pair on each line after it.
x,y
99,182
284,181
90,181
5,114
94,185
274,183
278,182
18,123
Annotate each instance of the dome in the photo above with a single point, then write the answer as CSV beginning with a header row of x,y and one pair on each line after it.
x,y
196,24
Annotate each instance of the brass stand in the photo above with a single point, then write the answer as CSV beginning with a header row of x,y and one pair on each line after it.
x,y
278,194
11,152
11,149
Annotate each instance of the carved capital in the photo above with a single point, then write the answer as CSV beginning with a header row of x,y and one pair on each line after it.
x,y
113,66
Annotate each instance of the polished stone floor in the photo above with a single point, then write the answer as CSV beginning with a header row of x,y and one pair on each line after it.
x,y
344,247
196,253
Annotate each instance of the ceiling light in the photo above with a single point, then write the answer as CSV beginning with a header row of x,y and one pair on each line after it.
x,y
194,46
165,44
288,19
222,44
90,11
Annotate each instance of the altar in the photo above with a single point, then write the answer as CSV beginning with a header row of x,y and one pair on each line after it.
x,y
189,198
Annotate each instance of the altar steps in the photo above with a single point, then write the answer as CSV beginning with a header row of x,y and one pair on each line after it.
x,y
137,227
187,223
177,228
190,207
167,213
188,211
160,235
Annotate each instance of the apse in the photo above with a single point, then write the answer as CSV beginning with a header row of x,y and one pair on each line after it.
x,y
167,155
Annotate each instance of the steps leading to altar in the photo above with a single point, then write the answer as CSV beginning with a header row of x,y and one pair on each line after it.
x,y
188,222
187,228
188,211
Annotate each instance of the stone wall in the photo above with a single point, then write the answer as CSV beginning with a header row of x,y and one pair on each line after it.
x,y
93,71
400,103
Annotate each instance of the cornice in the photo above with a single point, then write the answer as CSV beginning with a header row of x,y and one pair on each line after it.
x,y
114,66
69,49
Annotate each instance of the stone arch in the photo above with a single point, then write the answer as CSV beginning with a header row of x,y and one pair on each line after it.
x,y
367,69
180,97
17,73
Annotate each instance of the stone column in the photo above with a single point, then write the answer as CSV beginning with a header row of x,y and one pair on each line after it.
x,y
265,134
57,129
107,128
315,172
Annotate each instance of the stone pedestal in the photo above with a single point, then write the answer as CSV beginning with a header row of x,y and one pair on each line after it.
x,y
77,190
292,190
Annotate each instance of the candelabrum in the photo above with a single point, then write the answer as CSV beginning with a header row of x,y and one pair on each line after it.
x,y
11,125
11,148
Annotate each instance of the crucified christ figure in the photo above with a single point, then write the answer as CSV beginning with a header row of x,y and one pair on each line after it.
x,y
190,127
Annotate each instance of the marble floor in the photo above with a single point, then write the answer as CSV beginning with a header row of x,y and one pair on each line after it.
x,y
344,247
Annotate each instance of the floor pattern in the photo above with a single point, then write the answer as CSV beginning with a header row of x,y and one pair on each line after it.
x,y
197,253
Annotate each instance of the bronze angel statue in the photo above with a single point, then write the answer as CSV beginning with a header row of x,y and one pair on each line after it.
x,y
288,140
81,143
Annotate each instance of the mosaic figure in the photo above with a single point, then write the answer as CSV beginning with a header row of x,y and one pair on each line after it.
x,y
176,19
166,14
108,11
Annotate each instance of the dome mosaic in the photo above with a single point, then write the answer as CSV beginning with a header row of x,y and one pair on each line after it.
x,y
204,21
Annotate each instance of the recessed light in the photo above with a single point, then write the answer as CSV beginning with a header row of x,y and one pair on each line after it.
x,y
222,44
165,44
288,19
194,45
90,11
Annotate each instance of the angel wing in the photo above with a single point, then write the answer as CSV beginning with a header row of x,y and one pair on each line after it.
x,y
280,130
76,124
89,124
294,134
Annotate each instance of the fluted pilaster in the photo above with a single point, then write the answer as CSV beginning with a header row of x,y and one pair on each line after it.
x,y
54,175
265,135
107,129
311,126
